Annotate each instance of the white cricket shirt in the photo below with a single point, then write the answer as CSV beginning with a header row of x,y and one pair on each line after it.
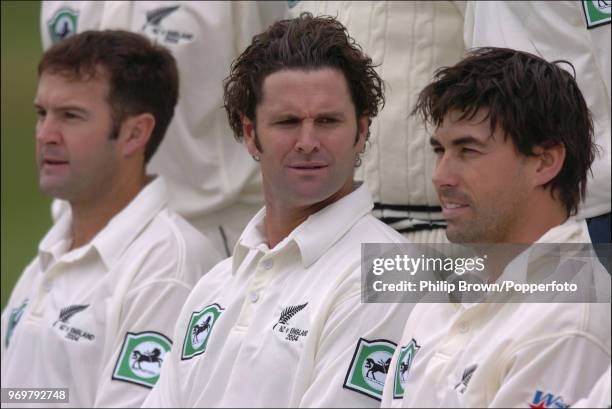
x,y
600,394
502,355
77,319
285,327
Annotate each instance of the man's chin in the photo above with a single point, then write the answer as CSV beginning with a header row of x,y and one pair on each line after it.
x,y
458,235
53,190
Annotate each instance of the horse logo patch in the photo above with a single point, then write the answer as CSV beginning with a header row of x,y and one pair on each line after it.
x,y
63,24
369,367
141,358
597,12
199,330
404,363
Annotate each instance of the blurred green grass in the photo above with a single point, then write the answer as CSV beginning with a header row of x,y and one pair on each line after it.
x,y
25,215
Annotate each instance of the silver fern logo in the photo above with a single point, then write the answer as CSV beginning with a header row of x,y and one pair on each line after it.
x,y
62,324
284,328
66,313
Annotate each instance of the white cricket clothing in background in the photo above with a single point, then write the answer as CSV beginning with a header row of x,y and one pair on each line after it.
x,y
284,327
409,40
502,355
558,30
212,181
600,394
78,318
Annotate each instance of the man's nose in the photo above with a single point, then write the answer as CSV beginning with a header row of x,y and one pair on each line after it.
x,y
307,140
445,172
47,130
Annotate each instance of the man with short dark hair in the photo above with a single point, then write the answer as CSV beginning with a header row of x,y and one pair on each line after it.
x,y
93,311
281,323
514,141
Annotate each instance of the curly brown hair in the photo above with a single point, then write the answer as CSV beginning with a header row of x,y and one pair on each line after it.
x,y
303,43
534,102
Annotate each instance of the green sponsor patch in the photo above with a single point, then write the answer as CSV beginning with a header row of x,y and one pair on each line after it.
x,y
369,367
596,12
63,24
141,358
404,363
199,329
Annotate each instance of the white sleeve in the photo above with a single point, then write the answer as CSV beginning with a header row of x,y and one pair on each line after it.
x,y
150,309
552,370
163,394
600,394
352,328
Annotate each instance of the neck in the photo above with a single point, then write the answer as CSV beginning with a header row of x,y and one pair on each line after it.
x,y
91,216
542,217
281,219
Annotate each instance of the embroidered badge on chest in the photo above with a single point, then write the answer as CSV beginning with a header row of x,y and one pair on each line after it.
x,y
289,327
369,367
405,359
199,330
157,28
141,358
65,327
466,377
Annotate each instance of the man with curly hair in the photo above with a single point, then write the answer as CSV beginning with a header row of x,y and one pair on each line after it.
x,y
281,323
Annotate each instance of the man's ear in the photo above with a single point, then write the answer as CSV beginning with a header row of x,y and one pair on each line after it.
x,y
135,132
549,162
362,132
250,137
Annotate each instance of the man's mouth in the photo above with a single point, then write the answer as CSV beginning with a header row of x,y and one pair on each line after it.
x,y
451,210
52,163
308,165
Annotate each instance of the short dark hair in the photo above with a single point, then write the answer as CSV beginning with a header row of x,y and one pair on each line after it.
x,y
535,102
143,77
303,43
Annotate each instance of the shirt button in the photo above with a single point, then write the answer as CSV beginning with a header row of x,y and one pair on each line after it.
x,y
47,284
267,264
463,327
254,296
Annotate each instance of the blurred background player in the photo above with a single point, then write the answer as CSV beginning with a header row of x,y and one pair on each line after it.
x,y
409,39
212,181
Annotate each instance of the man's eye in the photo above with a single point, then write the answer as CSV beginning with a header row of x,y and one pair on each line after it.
x,y
41,113
438,150
468,151
288,121
327,120
71,115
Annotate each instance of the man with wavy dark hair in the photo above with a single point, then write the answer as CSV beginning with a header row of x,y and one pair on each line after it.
x,y
280,324
93,312
514,142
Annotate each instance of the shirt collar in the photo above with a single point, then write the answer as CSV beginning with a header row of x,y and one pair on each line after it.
x,y
315,235
517,270
115,237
